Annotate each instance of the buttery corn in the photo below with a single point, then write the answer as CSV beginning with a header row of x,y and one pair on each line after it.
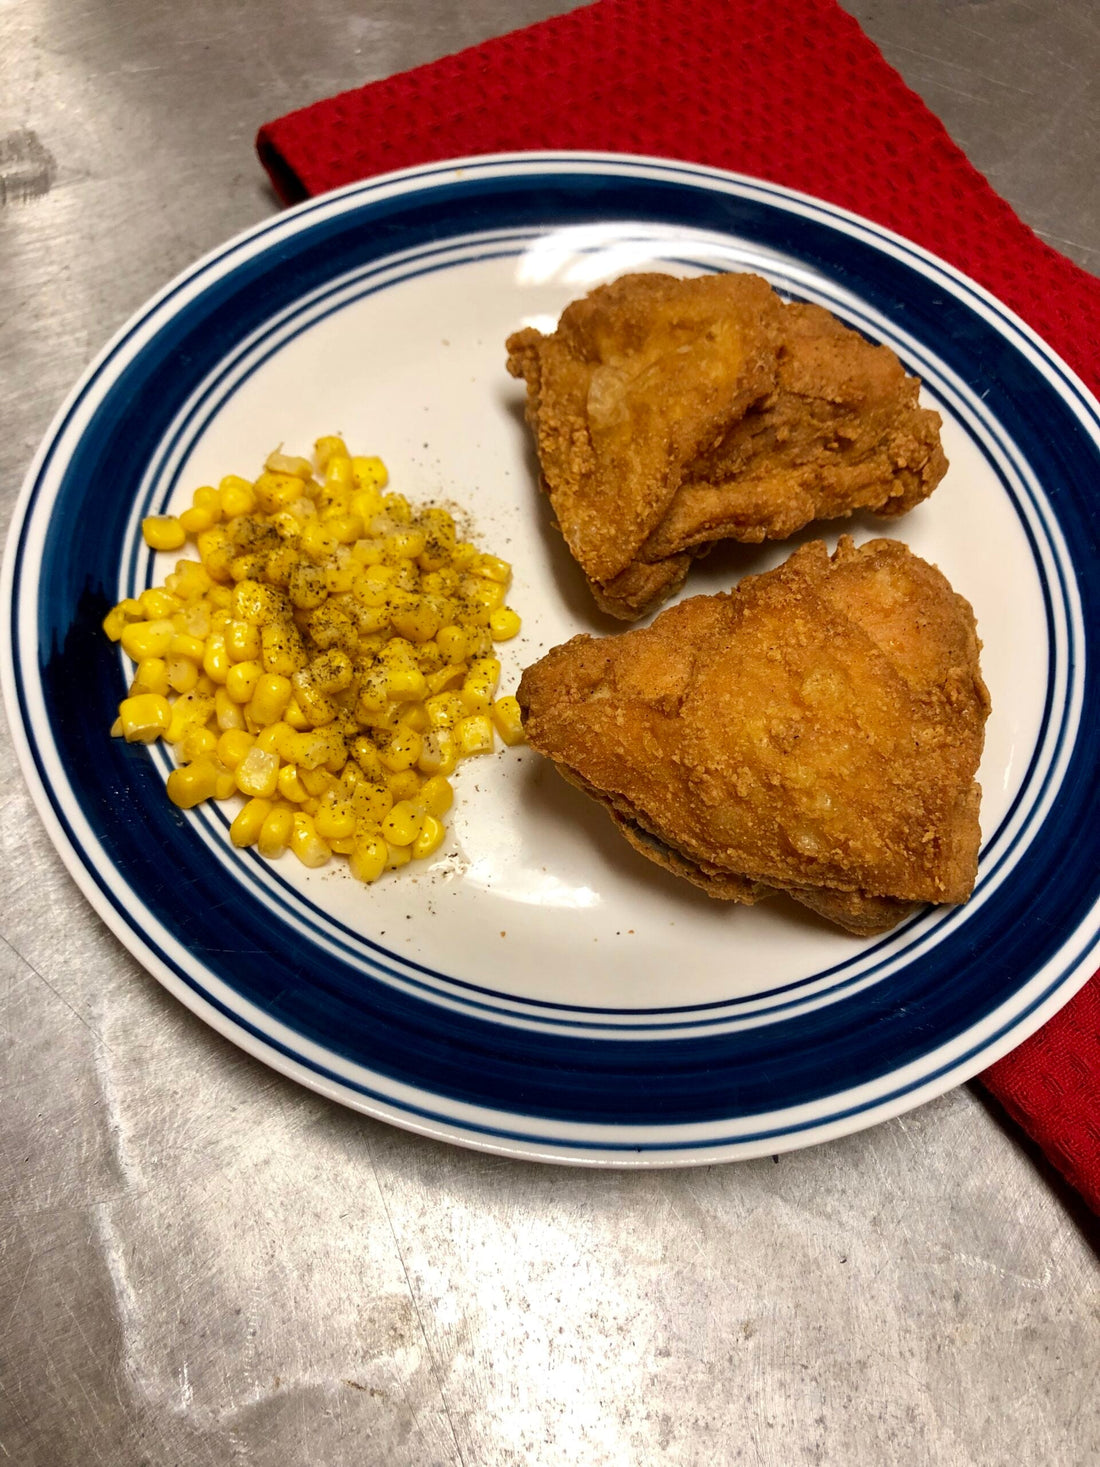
x,y
326,661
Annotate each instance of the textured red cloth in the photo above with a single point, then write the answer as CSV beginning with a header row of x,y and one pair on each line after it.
x,y
797,94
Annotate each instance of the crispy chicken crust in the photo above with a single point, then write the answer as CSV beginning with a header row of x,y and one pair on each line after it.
x,y
815,731
669,414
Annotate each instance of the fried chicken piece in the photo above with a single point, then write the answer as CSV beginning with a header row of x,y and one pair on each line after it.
x,y
815,731
670,413
843,431
640,378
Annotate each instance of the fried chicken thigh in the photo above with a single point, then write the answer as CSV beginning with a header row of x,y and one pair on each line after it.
x,y
669,414
815,731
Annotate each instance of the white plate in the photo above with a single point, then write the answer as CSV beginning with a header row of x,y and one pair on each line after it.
x,y
539,988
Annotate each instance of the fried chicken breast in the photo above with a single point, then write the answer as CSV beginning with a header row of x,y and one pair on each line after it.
x,y
669,414
815,731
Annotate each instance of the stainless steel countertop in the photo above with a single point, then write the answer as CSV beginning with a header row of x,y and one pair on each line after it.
x,y
201,1263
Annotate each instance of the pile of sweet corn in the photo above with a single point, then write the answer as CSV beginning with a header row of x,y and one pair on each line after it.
x,y
328,657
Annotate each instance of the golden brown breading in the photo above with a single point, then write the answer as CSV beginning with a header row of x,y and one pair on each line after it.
x,y
817,731
843,431
670,413
639,379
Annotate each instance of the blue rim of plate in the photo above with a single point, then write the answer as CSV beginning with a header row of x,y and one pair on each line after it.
x,y
929,1007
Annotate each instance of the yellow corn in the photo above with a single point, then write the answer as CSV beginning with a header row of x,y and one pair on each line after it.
x,y
241,680
290,784
401,750
276,832
163,532
504,623
198,743
368,859
147,638
227,713
327,656
436,795
257,774
371,803
191,784
233,745
508,721
306,844
429,839
397,856
237,496
150,676
243,642
269,698
403,824
438,754
473,735
215,658
335,819
120,617
144,718
405,785
245,829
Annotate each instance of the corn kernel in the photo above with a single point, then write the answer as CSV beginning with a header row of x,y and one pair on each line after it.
x,y
158,603
242,641
120,616
508,721
241,680
436,795
227,714
191,784
144,718
233,745
188,710
237,496
163,532
150,676
438,755
147,638
282,650
199,518
278,462
257,774
367,860
406,685
405,785
257,603
328,447
503,624
400,750
452,643
269,698
215,658
403,824
444,710
473,735
371,803
183,675
249,822
215,552
397,856
290,785
335,820
306,844
429,839
276,491
369,472
276,832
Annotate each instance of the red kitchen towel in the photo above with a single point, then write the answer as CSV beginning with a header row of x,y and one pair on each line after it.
x,y
797,94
